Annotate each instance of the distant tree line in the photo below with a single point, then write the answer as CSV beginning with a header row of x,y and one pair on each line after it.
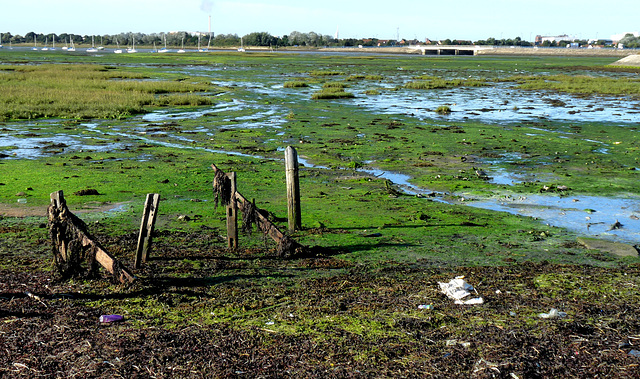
x,y
177,39
265,39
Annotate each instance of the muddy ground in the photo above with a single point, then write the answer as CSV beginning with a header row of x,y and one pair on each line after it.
x,y
321,316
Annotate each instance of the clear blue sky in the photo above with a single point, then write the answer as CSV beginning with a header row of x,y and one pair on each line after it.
x,y
455,19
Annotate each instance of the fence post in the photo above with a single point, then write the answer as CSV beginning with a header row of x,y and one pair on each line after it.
x,y
232,215
146,228
293,189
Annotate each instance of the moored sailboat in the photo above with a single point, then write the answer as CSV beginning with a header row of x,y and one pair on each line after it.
x,y
92,49
164,49
133,46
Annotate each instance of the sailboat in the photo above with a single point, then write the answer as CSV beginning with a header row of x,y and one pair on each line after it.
x,y
46,42
199,49
35,44
53,37
118,50
101,47
241,49
164,49
1,41
92,49
182,49
133,46
72,47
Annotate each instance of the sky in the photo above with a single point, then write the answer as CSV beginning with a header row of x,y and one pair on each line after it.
x,y
409,19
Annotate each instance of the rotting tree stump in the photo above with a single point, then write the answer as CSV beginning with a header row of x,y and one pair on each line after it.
x,y
73,245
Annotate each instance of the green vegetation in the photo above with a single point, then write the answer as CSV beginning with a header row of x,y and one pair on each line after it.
x,y
438,83
296,84
443,109
89,91
334,85
580,84
329,93
326,73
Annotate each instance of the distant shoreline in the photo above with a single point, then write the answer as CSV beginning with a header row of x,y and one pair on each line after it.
x,y
515,50
530,51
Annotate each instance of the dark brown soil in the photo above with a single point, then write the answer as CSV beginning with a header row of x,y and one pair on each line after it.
x,y
50,328
56,335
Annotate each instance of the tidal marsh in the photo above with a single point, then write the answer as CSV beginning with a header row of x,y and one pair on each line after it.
x,y
198,308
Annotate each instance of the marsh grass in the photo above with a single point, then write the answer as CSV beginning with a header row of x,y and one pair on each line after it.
x,y
357,77
326,73
438,83
337,85
296,84
443,110
332,93
87,91
581,84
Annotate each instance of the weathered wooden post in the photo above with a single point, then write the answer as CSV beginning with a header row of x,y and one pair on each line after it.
x,y
146,228
232,215
73,245
293,189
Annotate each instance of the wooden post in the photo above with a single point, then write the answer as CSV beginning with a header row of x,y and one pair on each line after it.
x,y
287,248
293,189
232,215
72,243
146,228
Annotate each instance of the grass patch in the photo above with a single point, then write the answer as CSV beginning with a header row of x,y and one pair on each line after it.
x,y
326,73
334,85
581,84
443,109
88,91
296,84
438,83
332,93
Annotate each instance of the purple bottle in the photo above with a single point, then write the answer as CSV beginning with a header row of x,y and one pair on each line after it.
x,y
111,318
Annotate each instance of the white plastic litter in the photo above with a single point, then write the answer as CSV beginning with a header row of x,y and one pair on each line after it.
x,y
553,313
457,289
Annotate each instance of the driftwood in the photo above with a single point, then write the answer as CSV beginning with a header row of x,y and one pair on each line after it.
x,y
287,247
73,245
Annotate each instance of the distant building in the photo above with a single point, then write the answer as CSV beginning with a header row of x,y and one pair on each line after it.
x,y
542,39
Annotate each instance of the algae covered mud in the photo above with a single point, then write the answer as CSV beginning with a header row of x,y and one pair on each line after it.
x,y
489,129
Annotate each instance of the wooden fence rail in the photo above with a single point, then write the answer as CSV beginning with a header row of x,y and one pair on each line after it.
x,y
287,247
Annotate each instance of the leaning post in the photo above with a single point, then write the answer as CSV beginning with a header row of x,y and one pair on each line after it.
x,y
293,189
146,228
